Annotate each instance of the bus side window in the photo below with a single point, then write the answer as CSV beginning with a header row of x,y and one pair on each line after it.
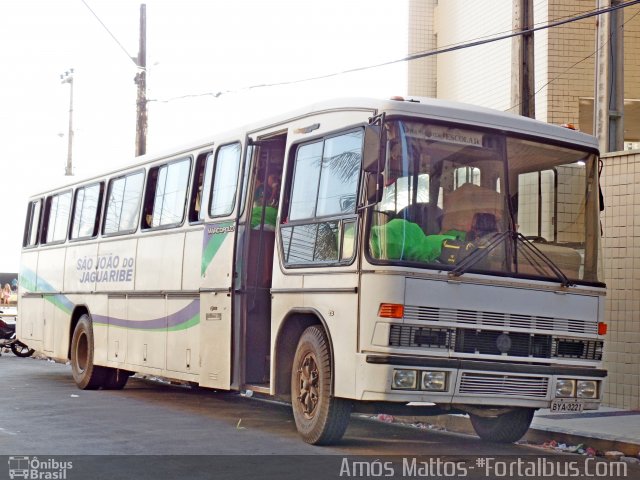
x,y
123,203
85,218
320,225
225,180
165,198
32,224
199,188
56,218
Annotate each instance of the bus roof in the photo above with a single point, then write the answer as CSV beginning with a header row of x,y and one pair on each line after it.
x,y
428,108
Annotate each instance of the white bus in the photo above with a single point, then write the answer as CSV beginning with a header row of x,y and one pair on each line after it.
x,y
355,256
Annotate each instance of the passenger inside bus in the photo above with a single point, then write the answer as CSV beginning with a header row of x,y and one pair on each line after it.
x,y
265,201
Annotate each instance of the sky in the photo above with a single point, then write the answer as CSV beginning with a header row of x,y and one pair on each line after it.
x,y
195,49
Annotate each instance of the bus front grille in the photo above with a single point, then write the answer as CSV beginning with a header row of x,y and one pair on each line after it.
x,y
493,342
500,385
498,319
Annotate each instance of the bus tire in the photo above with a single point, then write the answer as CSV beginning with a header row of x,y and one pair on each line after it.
x,y
86,375
115,379
321,419
506,428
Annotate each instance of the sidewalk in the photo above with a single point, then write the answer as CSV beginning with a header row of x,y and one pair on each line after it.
x,y
607,429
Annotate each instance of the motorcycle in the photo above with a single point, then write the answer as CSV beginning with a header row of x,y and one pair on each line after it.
x,y
8,338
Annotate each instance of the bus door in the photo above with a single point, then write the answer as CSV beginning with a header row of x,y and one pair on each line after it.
x,y
256,241
217,266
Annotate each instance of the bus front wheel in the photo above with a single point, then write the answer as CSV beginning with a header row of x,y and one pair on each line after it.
x,y
506,428
86,375
321,419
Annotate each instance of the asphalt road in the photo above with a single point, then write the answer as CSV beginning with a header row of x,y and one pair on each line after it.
x,y
45,415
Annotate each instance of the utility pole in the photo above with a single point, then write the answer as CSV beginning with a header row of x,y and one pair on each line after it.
x,y
522,60
609,89
141,81
67,77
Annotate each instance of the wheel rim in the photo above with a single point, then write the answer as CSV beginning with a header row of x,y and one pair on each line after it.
x,y
82,352
308,381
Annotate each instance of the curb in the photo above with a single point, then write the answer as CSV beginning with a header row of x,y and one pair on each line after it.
x,y
535,436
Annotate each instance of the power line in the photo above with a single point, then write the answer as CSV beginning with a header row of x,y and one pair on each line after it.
x,y
559,75
111,34
429,53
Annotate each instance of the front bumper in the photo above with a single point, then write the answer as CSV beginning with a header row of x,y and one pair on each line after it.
x,y
471,382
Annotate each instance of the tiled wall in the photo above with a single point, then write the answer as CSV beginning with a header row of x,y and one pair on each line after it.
x,y
480,75
621,242
422,38
570,62
564,63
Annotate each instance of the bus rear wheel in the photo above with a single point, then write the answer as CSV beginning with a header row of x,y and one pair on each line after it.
x,y
506,428
321,419
86,375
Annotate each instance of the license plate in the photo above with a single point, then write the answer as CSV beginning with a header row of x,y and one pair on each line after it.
x,y
568,405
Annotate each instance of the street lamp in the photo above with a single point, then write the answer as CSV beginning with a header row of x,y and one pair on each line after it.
x,y
67,77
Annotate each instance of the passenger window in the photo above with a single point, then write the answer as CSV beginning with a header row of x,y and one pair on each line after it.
x,y
464,175
123,204
201,184
85,211
166,194
305,181
225,180
57,217
32,224
325,184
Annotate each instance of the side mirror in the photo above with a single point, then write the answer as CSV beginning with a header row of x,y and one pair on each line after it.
x,y
375,187
371,161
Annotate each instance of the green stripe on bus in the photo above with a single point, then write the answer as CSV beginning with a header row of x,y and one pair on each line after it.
x,y
210,250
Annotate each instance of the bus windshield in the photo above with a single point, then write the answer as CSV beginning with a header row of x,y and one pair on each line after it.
x,y
468,200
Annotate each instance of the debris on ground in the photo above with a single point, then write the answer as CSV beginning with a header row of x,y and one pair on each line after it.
x,y
427,426
383,417
613,455
580,449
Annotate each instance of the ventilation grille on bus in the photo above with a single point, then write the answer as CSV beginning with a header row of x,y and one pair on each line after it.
x,y
500,385
502,320
491,342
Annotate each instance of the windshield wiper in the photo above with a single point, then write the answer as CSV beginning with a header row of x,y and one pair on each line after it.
x,y
478,254
529,251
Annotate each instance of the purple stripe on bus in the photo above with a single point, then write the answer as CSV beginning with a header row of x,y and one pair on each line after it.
x,y
181,316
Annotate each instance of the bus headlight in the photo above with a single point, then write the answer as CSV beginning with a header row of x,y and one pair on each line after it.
x,y
404,379
587,389
434,381
565,388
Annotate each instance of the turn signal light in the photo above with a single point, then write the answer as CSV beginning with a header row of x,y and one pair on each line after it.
x,y
602,328
391,310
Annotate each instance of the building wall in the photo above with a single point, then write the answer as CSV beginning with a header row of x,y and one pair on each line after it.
x,y
564,63
621,244
479,75
570,62
422,38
